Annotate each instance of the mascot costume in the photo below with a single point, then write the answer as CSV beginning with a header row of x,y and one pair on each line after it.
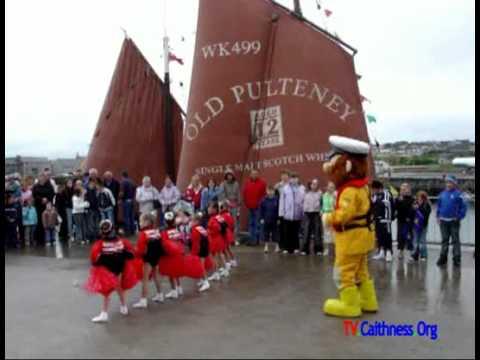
x,y
353,228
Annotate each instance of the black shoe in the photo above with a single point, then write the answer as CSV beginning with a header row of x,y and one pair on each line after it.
x,y
457,263
441,262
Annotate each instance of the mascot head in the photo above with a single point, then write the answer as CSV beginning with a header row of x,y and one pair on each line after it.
x,y
347,160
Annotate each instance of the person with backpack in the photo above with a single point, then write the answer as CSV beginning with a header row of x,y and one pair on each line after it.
x,y
106,202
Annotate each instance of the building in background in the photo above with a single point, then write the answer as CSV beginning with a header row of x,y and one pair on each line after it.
x,y
30,165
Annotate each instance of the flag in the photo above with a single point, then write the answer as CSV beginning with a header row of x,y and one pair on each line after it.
x,y
172,57
363,98
371,119
328,12
319,6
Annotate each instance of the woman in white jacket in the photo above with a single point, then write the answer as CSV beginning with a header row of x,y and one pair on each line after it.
x,y
291,209
79,217
145,197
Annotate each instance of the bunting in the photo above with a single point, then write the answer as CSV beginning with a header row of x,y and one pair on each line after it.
x,y
363,98
172,57
371,119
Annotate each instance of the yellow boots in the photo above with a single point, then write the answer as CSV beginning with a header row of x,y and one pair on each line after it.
x,y
347,306
368,297
353,300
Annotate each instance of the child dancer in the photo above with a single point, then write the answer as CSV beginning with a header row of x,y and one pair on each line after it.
x,y
176,264
217,230
149,251
200,248
230,238
112,269
171,266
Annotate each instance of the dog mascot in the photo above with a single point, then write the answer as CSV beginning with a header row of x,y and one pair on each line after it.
x,y
353,228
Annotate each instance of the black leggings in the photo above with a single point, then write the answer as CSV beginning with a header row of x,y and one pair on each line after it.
x,y
383,231
292,228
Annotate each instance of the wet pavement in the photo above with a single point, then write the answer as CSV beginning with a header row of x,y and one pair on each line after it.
x,y
269,308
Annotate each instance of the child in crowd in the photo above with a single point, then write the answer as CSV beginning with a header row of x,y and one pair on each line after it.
x,y
50,220
405,215
217,232
422,209
200,247
269,219
11,221
30,221
328,205
311,219
149,251
230,237
112,269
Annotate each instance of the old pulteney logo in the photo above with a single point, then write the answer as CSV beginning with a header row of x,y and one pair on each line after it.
x,y
267,127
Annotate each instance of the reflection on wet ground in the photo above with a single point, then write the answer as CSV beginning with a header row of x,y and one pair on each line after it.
x,y
270,307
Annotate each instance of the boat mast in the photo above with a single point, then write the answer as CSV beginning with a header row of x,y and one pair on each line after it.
x,y
167,110
297,10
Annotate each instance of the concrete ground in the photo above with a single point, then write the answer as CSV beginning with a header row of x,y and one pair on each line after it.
x,y
269,308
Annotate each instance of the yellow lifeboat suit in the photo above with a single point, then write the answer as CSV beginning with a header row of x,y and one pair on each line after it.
x,y
354,238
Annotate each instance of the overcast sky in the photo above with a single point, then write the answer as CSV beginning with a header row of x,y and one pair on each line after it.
x,y
417,60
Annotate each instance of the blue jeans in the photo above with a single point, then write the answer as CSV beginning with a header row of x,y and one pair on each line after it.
x,y
50,235
420,243
93,221
70,222
107,214
254,225
128,216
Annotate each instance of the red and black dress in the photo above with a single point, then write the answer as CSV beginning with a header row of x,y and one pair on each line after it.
x,y
111,258
149,246
217,232
175,263
201,246
230,238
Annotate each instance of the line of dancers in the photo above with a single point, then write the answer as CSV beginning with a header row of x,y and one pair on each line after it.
x,y
184,248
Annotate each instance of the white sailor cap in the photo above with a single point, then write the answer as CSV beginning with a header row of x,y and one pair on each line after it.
x,y
346,145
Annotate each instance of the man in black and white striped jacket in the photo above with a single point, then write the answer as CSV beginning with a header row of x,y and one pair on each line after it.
x,y
384,214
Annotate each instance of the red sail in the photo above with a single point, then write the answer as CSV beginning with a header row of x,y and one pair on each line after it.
x,y
130,133
270,71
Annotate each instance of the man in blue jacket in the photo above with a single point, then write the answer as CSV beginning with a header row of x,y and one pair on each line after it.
x,y
451,209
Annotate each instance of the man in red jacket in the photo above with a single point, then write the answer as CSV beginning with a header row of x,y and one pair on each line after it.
x,y
253,192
